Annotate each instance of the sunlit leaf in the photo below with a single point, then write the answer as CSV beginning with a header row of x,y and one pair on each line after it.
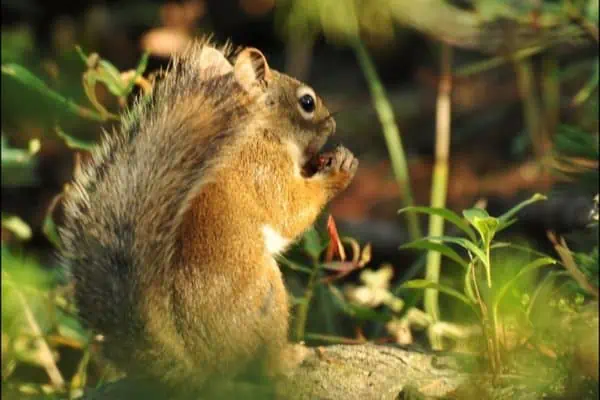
x,y
25,77
17,226
111,77
294,266
472,213
446,214
73,142
507,216
484,224
49,227
469,282
464,243
539,263
139,71
443,249
312,243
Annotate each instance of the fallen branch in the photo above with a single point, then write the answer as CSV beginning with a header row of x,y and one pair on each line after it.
x,y
369,372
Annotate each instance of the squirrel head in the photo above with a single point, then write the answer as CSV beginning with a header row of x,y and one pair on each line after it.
x,y
290,110
291,106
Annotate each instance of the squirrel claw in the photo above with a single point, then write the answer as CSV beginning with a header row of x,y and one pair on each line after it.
x,y
340,160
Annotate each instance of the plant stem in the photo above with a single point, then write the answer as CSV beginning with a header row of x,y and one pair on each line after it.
x,y
489,328
391,134
439,187
531,108
302,315
551,94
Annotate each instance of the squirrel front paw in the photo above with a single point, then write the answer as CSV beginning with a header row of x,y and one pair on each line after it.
x,y
339,167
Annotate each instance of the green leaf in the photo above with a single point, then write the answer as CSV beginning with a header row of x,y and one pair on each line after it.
x,y
472,213
312,243
507,216
139,71
82,55
19,168
487,228
589,88
425,284
17,226
544,284
469,283
518,247
425,244
28,79
540,262
14,156
73,142
70,327
91,77
464,243
294,266
111,76
49,229
485,225
446,214
505,224
575,142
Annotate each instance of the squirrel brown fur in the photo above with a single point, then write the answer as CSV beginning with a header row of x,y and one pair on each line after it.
x,y
171,230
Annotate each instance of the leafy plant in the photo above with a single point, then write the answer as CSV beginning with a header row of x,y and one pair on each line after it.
x,y
480,230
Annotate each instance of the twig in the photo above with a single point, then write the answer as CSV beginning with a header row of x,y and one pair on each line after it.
x,y
439,187
569,263
333,339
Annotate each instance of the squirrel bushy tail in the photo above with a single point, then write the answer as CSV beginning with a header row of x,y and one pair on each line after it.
x,y
123,210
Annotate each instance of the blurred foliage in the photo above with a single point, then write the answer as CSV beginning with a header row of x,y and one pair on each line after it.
x,y
18,166
517,296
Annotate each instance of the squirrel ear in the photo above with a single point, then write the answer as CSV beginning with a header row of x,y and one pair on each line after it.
x,y
213,63
251,67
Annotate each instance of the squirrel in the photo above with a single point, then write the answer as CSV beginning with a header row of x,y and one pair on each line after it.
x,y
171,229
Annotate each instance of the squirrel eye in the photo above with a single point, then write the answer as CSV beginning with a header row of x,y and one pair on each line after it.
x,y
306,102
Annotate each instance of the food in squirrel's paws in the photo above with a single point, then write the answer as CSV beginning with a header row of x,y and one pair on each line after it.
x,y
318,162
